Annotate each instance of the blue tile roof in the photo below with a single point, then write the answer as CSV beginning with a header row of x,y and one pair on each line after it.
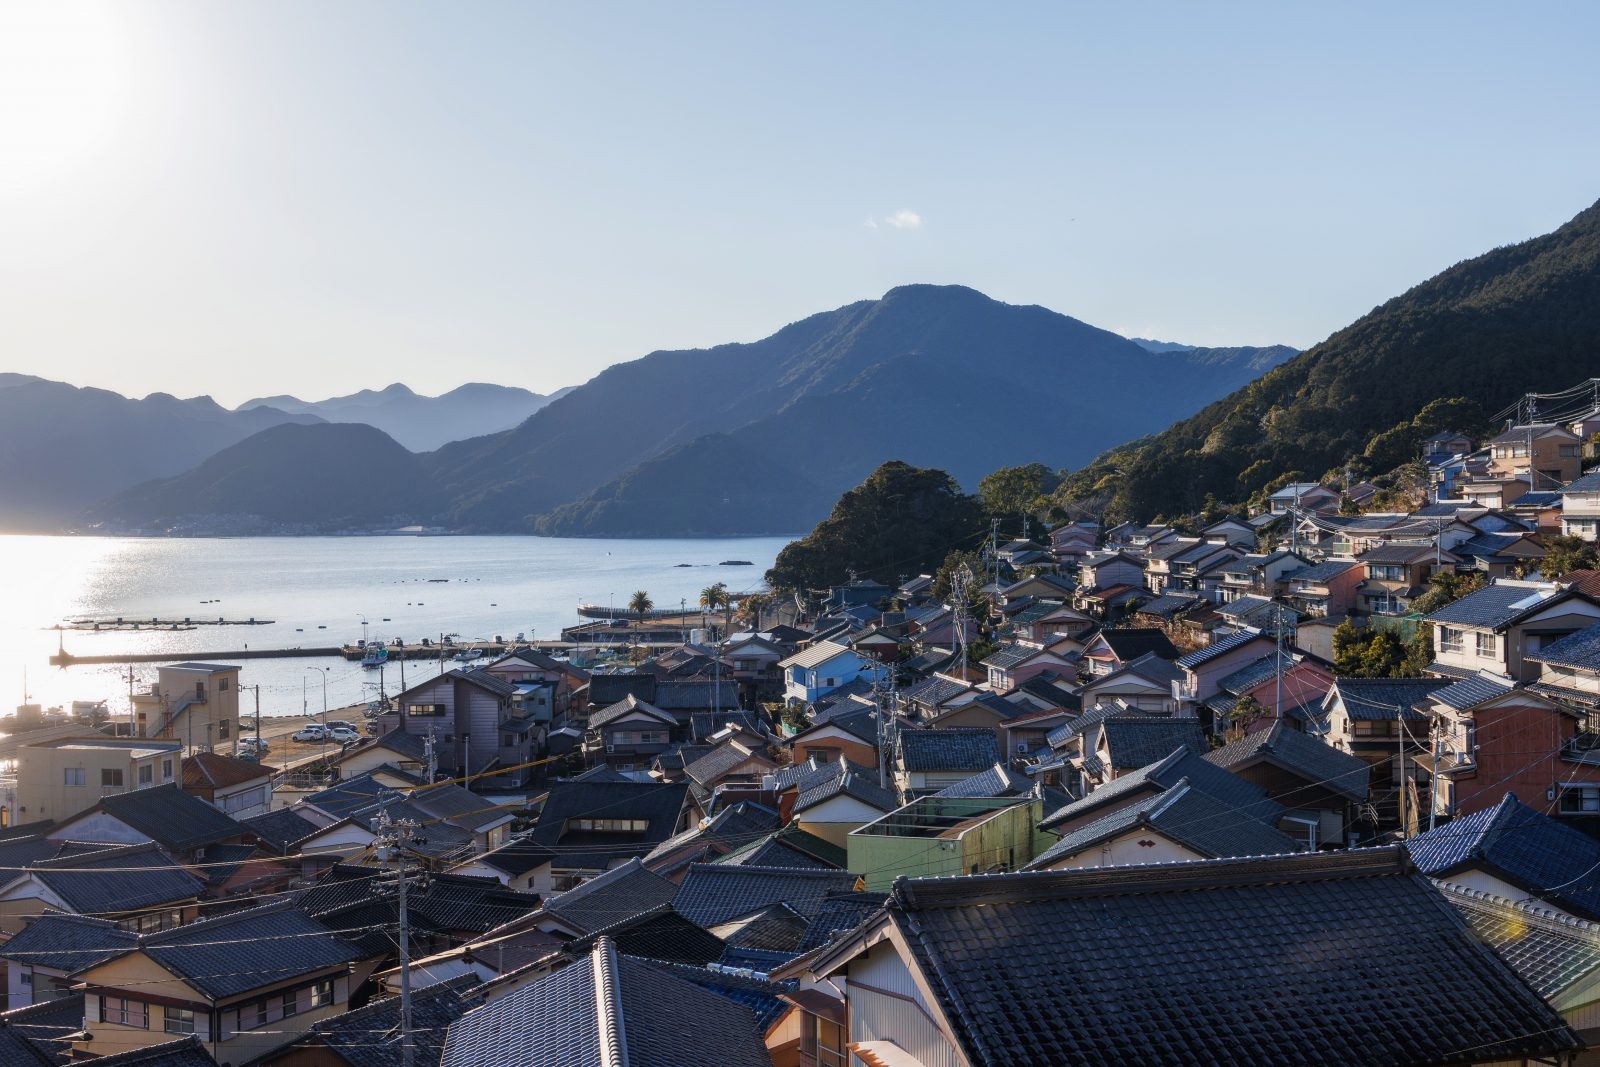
x,y
1581,649
1493,606
1588,483
1303,756
1216,648
1384,699
1321,572
1470,692
949,749
1547,858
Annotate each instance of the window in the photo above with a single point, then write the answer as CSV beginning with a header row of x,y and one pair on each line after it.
x,y
199,690
178,1021
147,774
433,711
75,776
1387,572
27,976
166,770
222,729
1580,799
125,1012
1486,645
322,993
256,1013
110,776
830,1044
1451,640
610,826
291,1003
222,685
1568,450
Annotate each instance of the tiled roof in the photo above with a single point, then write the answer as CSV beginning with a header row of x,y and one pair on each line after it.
x,y
1218,647
852,781
996,781
350,795
712,893
490,683
1545,857
1311,942
1470,692
459,806
710,768
235,953
1150,667
1138,742
40,1035
116,878
1131,642
1581,650
1319,573
607,1001
837,913
1194,819
1008,656
702,724
760,995
776,927
770,851
659,933
370,1035
1398,552
182,1052
1255,672
612,897
210,770
1182,764
1551,951
1385,699
280,827
1301,755
1493,606
1169,604
1588,483
948,749
629,705
659,806
170,817
935,690
697,694
859,722
67,942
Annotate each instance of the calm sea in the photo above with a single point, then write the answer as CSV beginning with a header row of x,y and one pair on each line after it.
x,y
496,586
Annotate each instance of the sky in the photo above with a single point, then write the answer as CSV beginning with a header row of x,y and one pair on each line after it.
x,y
263,197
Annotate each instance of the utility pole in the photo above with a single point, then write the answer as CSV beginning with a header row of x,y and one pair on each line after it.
x,y
430,755
393,837
257,688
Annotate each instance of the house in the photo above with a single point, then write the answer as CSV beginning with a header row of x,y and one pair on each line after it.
x,y
753,662
1303,496
1499,553
1376,720
489,823
585,828
938,836
1125,743
42,957
1231,530
243,984
926,761
1395,575
1326,589
1568,669
1514,851
1320,788
925,980
1182,764
1446,444
626,734
58,778
1180,823
1546,453
139,886
1258,574
196,704
1493,628
183,825
1492,736
396,758
1580,507
238,788
370,1036
1205,667
822,668
1022,737
590,1011
715,894
1015,662
530,670
734,766
831,804
1115,647
848,735
1102,570
480,730
1145,684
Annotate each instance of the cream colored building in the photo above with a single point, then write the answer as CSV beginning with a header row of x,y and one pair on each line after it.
x,y
194,703
58,779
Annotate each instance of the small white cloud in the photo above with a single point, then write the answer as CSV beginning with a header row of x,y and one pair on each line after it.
x,y
905,220
871,224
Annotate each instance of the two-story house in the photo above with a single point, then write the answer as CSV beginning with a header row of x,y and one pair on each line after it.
x,y
1580,508
1547,453
1377,720
627,735
1325,590
1014,663
476,722
57,779
822,668
1493,628
195,703
1258,574
1396,574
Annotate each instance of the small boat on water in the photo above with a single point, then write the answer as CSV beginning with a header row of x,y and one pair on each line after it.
x,y
736,563
376,656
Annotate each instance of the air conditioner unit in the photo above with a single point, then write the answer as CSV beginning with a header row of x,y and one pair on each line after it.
x,y
1022,746
611,748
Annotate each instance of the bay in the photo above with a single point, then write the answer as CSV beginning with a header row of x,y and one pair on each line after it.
x,y
494,586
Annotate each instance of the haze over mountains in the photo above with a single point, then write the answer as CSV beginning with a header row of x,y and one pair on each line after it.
x,y
755,437
422,423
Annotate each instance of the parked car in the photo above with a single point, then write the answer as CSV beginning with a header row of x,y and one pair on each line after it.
x,y
343,734
335,724
255,746
312,732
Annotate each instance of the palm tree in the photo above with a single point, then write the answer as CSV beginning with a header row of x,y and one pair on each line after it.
x,y
640,604
751,609
713,597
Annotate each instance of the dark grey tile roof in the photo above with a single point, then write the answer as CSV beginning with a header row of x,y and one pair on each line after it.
x,y
709,769
1319,573
370,1035
67,942
21,851
849,780
1470,692
1550,860
760,995
1581,650
658,806
607,688
774,928
857,721
934,690
1255,672
1218,647
629,705
771,851
659,933
1311,942
183,1052
949,749
171,818
1131,642
1493,606
1385,699
1306,757
1007,656
41,1033
489,683
1134,743
612,897
996,781
1182,764
1194,819
235,953
702,724
350,795
1588,483
1398,552
838,913
1170,604
561,1020
280,828
713,893
458,806
1551,951
113,879
697,695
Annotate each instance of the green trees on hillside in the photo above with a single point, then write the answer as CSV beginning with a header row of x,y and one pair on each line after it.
x,y
901,520
1014,493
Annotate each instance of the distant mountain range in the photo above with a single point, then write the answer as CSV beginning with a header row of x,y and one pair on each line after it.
x,y
1524,317
422,423
748,438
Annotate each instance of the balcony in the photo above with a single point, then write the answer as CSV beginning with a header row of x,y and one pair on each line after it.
x,y
1583,749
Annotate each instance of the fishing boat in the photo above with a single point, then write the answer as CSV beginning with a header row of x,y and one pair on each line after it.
x,y
376,656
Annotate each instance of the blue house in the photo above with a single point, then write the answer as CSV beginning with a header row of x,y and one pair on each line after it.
x,y
822,668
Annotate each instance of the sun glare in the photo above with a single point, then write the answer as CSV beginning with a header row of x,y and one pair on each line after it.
x,y
62,67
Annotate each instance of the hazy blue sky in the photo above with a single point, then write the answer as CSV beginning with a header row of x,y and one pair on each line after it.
x,y
246,198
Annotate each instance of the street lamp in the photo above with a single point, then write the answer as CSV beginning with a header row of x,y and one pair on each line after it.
x,y
323,671
363,619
